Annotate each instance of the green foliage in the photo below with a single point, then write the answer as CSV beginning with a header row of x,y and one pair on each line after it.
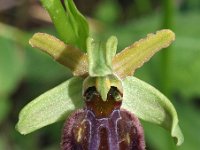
x,y
2,142
4,108
70,25
11,73
185,67
107,11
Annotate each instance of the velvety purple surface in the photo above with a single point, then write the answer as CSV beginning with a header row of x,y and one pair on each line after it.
x,y
120,131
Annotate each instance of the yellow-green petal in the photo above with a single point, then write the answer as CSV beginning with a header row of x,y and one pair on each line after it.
x,y
67,55
134,56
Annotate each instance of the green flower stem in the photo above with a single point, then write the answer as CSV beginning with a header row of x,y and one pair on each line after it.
x,y
165,55
168,7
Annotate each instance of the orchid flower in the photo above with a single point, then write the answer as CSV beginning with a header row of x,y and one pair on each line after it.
x,y
103,100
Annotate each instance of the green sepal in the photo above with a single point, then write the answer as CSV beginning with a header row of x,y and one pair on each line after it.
x,y
100,56
52,106
70,24
148,104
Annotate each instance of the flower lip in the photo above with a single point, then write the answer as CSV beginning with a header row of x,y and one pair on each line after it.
x,y
100,108
122,130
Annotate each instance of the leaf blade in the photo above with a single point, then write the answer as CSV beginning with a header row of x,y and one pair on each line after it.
x,y
59,18
51,106
150,105
67,23
136,55
78,23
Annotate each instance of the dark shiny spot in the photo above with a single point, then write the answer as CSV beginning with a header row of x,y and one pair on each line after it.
x,y
115,94
90,93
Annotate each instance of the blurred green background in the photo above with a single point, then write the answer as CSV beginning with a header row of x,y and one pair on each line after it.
x,y
25,72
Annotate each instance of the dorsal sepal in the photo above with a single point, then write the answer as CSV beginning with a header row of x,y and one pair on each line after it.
x,y
100,56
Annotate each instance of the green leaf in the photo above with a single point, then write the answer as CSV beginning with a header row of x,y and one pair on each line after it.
x,y
3,142
184,67
108,12
136,55
79,24
150,105
100,56
14,34
5,106
70,25
11,66
51,106
67,55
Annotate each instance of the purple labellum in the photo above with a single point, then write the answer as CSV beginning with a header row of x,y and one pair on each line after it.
x,y
92,129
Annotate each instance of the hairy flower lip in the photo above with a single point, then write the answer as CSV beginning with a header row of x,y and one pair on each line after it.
x,y
126,121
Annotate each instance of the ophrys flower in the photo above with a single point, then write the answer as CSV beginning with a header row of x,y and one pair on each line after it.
x,y
104,92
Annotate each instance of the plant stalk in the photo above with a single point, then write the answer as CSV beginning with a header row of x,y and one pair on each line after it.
x,y
168,14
